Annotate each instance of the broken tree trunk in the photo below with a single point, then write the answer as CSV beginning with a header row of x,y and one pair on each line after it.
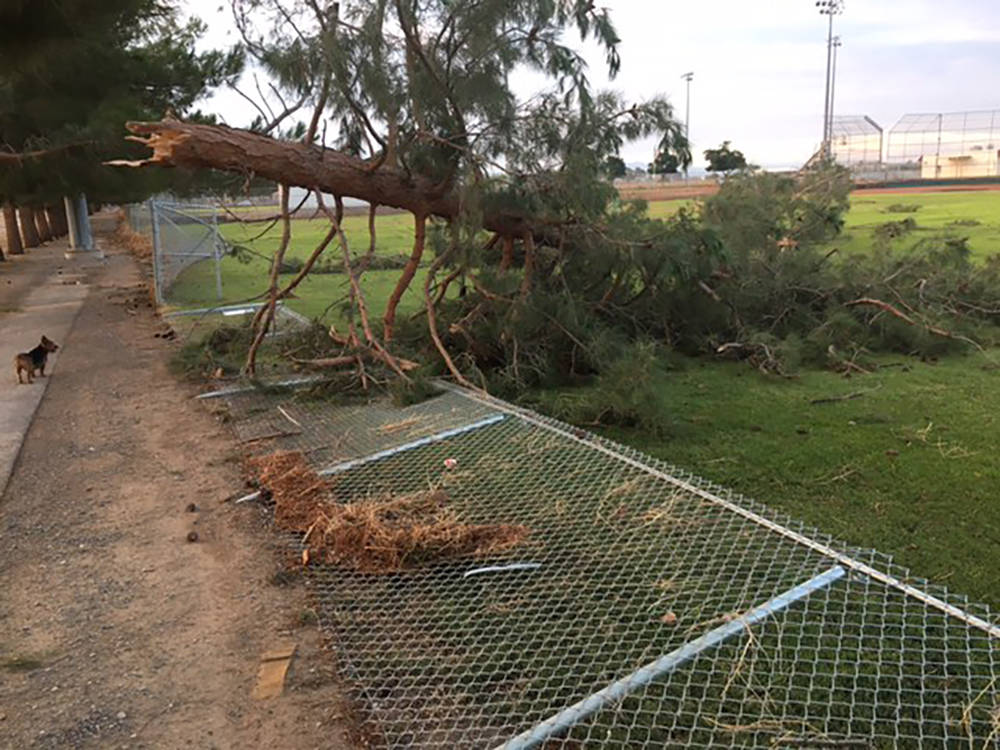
x,y
182,144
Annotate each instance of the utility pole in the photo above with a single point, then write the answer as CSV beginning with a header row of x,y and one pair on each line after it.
x,y
687,116
829,8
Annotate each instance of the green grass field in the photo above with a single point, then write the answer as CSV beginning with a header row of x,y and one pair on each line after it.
x,y
936,214
319,292
909,467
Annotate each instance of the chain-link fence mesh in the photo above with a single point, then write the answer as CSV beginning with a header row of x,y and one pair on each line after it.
x,y
856,140
647,608
949,145
181,235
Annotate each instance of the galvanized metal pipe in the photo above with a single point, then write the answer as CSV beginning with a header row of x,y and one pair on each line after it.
x,y
430,439
290,383
616,691
436,438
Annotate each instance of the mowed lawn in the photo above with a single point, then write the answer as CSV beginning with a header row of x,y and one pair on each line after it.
x,y
974,215
319,294
910,467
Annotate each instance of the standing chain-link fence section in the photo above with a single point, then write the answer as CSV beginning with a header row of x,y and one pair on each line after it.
x,y
948,145
856,141
188,252
646,608
181,235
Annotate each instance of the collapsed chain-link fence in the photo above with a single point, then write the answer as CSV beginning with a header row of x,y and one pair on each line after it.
x,y
647,608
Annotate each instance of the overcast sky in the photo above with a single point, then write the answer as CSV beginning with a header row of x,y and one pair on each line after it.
x,y
759,67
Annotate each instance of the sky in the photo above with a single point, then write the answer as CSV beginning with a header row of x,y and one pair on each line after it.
x,y
759,67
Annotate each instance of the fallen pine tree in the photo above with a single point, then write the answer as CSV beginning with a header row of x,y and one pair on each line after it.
x,y
509,196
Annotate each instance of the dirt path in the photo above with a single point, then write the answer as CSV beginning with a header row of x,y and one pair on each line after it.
x,y
114,630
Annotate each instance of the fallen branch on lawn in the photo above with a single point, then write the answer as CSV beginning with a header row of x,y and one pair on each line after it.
x,y
886,307
845,397
348,359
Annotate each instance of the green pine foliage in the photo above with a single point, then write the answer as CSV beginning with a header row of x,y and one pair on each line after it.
x,y
73,71
425,88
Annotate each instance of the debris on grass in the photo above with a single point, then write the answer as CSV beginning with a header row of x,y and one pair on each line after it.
x,y
381,534
298,492
388,429
386,534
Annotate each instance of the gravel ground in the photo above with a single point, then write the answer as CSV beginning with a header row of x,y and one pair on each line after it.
x,y
115,631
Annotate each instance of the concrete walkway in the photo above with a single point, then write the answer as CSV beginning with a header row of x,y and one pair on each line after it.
x,y
41,292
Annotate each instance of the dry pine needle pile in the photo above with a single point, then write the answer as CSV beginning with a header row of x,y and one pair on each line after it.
x,y
373,535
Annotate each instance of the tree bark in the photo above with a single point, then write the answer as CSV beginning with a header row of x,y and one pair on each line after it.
x,y
28,231
42,225
529,264
57,219
14,246
508,253
195,146
419,234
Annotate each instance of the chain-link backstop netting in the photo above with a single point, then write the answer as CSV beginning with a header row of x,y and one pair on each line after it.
x,y
856,140
647,608
948,145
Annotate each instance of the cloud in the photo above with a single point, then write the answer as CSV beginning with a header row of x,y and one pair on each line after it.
x,y
760,67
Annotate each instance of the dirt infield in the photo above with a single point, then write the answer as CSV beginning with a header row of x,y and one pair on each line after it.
x,y
904,189
117,628
660,191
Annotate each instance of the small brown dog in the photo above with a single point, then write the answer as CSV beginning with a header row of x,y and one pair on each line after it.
x,y
34,360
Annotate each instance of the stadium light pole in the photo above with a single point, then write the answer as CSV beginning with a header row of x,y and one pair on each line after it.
x,y
833,85
829,8
687,116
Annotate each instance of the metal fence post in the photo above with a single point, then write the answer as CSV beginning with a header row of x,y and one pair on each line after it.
x,y
217,253
83,223
155,224
71,225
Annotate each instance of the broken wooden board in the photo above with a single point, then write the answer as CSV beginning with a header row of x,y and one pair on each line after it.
x,y
271,675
